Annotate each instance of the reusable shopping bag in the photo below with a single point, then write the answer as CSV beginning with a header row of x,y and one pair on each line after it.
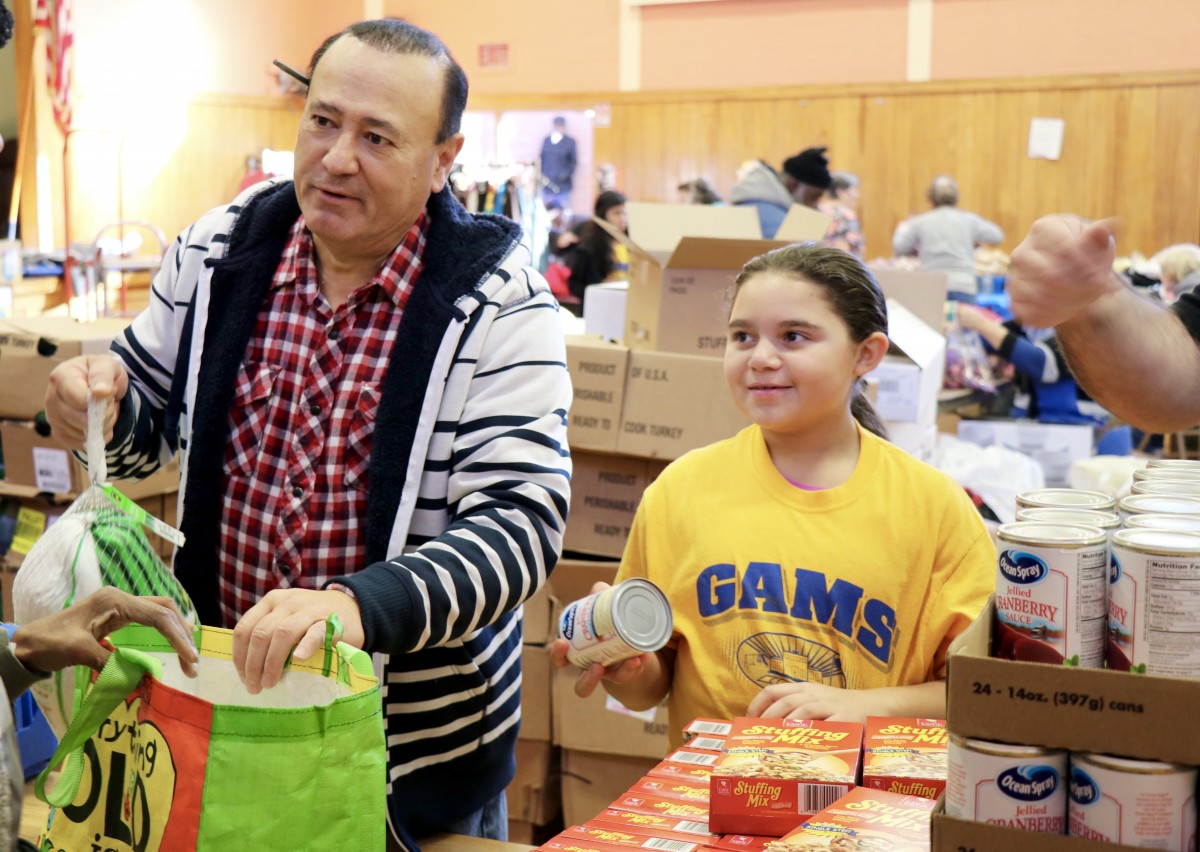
x,y
99,541
159,762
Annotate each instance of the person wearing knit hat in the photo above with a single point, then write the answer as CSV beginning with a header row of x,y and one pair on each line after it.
x,y
806,176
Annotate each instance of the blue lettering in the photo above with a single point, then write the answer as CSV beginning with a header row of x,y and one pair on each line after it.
x,y
838,604
763,581
875,636
716,589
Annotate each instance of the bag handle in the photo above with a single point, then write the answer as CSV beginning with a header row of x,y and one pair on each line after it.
x,y
97,461
120,676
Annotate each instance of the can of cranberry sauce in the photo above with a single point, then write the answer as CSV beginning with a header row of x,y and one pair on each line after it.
x,y
1177,464
1051,594
1107,521
1140,803
1153,609
1065,498
1178,523
1016,786
630,618
1187,488
1158,504
1176,473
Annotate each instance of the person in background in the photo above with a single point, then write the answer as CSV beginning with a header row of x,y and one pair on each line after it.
x,y
559,159
841,204
1180,271
758,186
698,191
597,257
944,239
806,176
798,589
378,430
72,637
1135,356
1046,390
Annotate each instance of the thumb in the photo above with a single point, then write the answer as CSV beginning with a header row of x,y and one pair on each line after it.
x,y
1101,235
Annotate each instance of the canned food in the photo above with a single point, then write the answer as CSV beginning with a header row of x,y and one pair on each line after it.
x,y
1180,523
1051,594
1177,473
1158,504
1107,521
1177,464
1139,803
1016,786
630,618
1154,603
1065,498
1166,486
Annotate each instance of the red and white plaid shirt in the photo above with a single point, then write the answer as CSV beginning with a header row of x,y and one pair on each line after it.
x,y
295,479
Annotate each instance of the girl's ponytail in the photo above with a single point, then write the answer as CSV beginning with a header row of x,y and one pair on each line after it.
x,y
865,413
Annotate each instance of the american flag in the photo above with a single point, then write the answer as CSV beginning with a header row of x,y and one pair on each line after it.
x,y
55,17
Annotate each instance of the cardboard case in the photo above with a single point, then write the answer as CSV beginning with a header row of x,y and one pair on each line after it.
x,y
1098,710
910,376
683,259
598,368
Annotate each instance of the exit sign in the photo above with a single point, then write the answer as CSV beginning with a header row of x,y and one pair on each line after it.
x,y
493,55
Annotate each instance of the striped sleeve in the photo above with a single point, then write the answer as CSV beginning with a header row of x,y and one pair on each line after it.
x,y
500,472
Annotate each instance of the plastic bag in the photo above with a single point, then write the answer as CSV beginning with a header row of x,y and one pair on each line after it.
x,y
966,360
99,541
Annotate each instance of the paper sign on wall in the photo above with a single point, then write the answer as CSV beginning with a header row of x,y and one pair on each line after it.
x,y
1046,138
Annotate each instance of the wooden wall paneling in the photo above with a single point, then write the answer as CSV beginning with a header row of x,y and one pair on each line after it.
x,y
1177,199
1138,170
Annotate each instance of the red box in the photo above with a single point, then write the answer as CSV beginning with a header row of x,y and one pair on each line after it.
x,y
706,728
905,756
776,772
689,772
874,819
613,837
658,805
669,828
744,842
680,789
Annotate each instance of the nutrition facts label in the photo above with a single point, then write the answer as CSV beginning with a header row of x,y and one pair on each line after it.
x,y
1172,619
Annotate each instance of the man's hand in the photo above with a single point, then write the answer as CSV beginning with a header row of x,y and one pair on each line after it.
x,y
1061,267
72,637
813,701
67,396
285,619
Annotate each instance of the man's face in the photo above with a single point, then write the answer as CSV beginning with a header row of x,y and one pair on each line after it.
x,y
366,155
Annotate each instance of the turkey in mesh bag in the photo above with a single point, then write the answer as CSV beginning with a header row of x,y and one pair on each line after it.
x,y
95,543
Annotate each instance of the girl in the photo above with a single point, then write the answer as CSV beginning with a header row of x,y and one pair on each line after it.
x,y
814,570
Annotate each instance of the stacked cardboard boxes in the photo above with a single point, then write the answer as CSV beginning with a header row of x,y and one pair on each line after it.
x,y
1093,710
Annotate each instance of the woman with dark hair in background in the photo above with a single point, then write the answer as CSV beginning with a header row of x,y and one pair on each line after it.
x,y
597,256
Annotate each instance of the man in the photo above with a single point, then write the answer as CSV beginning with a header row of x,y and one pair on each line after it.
x,y
1134,356
559,159
369,391
944,239
806,176
71,637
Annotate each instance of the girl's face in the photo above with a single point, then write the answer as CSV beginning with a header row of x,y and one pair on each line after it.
x,y
789,359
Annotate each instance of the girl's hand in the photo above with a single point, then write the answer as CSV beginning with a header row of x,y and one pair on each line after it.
x,y
589,679
814,701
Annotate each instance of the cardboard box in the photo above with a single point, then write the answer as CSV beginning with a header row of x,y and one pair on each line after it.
x,y
675,403
535,693
604,309
591,780
599,724
776,772
922,293
538,617
920,442
605,493
598,368
36,464
911,375
1054,446
682,262
956,835
535,793
1101,710
905,756
31,347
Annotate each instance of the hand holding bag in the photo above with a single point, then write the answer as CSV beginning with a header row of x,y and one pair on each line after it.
x,y
158,761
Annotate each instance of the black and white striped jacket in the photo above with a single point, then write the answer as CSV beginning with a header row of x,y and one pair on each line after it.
x,y
469,476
